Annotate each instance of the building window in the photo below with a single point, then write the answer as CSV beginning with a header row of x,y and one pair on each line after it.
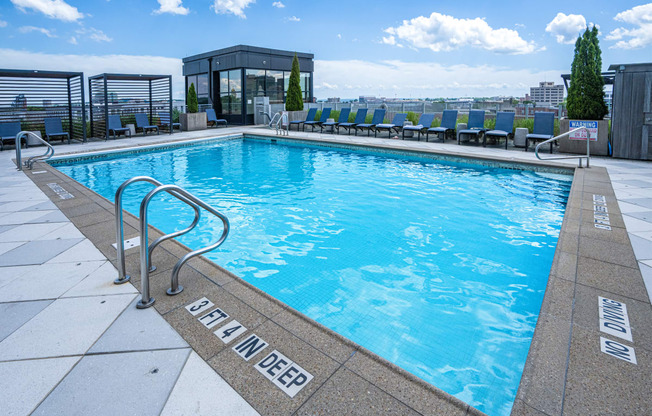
x,y
231,92
274,87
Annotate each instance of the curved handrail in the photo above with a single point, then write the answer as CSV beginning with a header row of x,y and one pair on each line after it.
x,y
49,152
588,143
119,223
183,195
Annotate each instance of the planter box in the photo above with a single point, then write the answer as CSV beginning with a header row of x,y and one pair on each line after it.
x,y
192,121
599,133
296,115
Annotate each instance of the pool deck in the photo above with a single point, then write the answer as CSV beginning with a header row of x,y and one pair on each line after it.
x,y
72,342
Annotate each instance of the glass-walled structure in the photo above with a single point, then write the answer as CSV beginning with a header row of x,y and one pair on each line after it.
x,y
229,79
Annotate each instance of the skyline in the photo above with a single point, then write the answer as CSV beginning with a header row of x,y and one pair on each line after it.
x,y
419,50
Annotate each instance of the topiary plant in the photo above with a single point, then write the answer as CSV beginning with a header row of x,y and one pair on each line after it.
x,y
586,92
294,98
191,100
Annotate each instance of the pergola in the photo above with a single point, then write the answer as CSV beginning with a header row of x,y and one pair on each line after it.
x,y
126,95
31,96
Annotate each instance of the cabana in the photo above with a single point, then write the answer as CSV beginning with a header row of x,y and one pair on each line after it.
x,y
29,97
126,95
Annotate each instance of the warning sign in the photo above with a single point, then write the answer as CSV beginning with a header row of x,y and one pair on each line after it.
x,y
591,126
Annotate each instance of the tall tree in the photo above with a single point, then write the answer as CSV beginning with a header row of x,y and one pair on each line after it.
x,y
586,91
191,99
294,99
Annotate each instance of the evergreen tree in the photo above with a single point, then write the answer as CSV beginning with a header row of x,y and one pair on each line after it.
x,y
294,99
191,99
586,91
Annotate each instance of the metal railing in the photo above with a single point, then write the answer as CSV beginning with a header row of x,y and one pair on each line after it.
x,y
146,249
277,122
49,152
580,157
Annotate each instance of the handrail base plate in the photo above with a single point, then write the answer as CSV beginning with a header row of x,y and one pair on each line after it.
x,y
119,281
171,292
145,305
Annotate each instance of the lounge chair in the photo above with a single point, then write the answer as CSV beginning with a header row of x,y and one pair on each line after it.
x,y
53,128
212,118
544,128
475,127
115,126
309,117
164,121
447,126
325,114
424,123
142,123
8,132
504,128
396,124
360,117
344,117
379,116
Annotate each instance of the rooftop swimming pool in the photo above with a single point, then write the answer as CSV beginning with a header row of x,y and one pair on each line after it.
x,y
438,266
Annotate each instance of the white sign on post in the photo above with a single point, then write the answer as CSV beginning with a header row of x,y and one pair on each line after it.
x,y
591,126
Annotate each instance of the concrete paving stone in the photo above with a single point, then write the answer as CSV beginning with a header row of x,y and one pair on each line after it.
x,y
212,271
565,265
138,330
136,383
262,394
611,277
103,236
639,313
36,252
29,232
4,228
90,219
18,218
568,242
632,224
254,297
14,315
67,231
315,335
600,383
615,220
24,384
84,209
641,202
43,206
5,247
161,258
642,247
609,252
646,272
82,251
7,274
422,397
642,215
520,408
616,234
65,327
337,396
19,206
201,391
558,300
100,282
51,217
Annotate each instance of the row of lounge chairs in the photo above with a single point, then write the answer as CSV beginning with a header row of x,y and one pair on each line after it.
x,y
503,129
53,130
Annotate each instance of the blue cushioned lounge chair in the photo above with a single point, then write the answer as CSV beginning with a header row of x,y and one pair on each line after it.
x,y
164,121
8,132
344,117
115,126
325,114
396,125
212,118
53,129
309,117
504,128
379,116
142,123
424,123
544,128
475,127
447,126
360,117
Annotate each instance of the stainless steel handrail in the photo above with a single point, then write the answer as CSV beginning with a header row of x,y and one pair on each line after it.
x,y
277,122
588,152
183,195
119,223
49,152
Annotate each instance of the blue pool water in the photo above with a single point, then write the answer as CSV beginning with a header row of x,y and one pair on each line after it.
x,y
439,267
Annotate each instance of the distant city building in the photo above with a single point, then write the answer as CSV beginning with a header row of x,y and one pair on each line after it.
x,y
547,93
333,100
19,101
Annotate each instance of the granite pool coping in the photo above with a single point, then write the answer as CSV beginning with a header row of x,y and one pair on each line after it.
x,y
549,383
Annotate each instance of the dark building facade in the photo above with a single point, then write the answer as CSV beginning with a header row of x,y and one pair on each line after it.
x,y
229,79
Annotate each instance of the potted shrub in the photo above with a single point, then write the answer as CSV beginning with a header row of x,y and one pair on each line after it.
x,y
294,98
192,120
585,102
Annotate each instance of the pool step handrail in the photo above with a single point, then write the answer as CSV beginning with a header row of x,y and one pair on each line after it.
x,y
279,120
587,156
29,163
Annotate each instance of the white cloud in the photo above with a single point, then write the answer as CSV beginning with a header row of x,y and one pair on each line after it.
x,y
339,36
29,29
441,32
235,7
94,34
278,5
72,40
55,9
641,35
172,7
97,64
3,23
293,19
422,79
566,28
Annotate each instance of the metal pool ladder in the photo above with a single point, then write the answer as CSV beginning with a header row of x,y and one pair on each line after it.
x,y
587,156
146,249
277,122
49,152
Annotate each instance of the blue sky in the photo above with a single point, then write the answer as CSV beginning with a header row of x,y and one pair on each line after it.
x,y
385,48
